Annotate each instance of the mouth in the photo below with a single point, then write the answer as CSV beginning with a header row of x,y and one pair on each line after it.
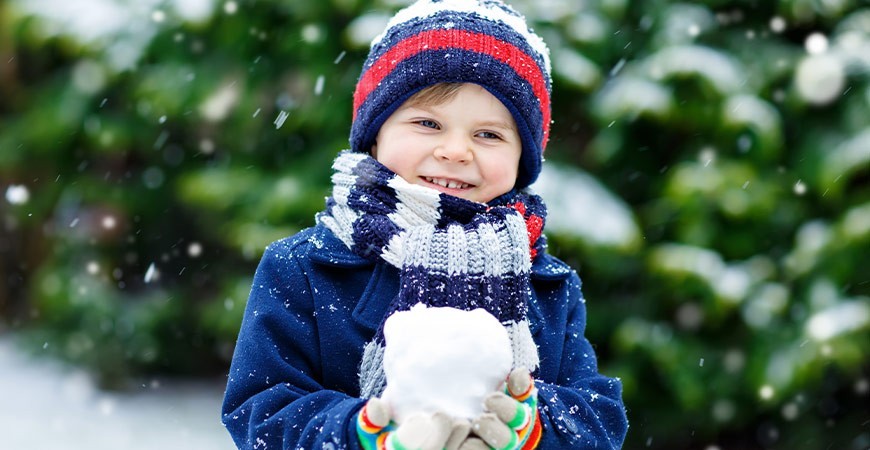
x,y
447,183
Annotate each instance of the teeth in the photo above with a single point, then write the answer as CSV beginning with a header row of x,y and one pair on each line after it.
x,y
450,184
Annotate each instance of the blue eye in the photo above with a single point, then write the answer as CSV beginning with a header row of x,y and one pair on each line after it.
x,y
428,123
488,135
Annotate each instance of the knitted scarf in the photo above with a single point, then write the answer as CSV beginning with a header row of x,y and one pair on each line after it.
x,y
449,251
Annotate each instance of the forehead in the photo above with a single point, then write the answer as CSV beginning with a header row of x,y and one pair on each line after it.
x,y
464,93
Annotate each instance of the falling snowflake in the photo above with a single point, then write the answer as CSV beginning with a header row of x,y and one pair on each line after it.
x,y
777,24
17,194
194,249
282,117
800,188
816,43
318,86
151,274
109,222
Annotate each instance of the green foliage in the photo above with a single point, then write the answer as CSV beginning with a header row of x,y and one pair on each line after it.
x,y
710,165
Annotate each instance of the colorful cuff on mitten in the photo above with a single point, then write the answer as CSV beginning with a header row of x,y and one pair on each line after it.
x,y
527,421
371,435
531,437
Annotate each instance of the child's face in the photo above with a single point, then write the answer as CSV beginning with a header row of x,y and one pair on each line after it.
x,y
467,146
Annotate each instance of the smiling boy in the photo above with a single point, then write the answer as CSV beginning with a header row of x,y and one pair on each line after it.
x,y
430,205
455,138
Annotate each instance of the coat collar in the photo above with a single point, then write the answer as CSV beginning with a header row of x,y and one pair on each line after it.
x,y
330,251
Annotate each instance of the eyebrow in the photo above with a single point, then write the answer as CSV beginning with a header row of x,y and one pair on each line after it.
x,y
498,124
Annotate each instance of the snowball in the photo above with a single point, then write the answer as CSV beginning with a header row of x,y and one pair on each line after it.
x,y
443,359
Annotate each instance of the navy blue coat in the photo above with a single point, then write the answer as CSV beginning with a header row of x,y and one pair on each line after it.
x,y
314,305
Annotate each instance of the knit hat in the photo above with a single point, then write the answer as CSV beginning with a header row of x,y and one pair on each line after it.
x,y
458,41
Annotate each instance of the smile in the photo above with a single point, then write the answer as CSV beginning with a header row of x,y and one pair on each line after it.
x,y
447,183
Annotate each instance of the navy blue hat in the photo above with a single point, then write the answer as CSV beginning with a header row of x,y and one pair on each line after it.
x,y
458,41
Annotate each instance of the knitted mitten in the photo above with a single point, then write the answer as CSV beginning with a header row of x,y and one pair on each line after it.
x,y
512,421
376,431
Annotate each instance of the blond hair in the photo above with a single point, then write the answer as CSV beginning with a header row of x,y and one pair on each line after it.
x,y
435,94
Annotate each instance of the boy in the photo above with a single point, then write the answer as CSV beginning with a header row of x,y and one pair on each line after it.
x,y
451,116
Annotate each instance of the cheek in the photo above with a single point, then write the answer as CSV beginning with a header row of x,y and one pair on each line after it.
x,y
393,162
503,169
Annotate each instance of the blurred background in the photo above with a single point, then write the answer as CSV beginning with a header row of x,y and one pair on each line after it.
x,y
708,175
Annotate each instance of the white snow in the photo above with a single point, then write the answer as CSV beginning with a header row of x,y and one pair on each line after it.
x,y
194,249
17,194
443,359
839,319
120,29
158,16
152,273
820,78
89,76
220,104
777,24
47,405
800,188
318,85
581,207
631,96
730,282
282,117
364,28
816,43
724,73
109,222
847,158
578,70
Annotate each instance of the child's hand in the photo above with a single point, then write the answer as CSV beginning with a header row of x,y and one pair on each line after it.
x,y
436,431
512,420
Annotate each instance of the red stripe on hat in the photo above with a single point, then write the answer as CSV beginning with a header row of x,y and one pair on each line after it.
x,y
500,50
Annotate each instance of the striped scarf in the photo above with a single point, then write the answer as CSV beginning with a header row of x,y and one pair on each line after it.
x,y
449,251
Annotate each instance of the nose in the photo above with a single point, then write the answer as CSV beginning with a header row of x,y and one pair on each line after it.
x,y
454,149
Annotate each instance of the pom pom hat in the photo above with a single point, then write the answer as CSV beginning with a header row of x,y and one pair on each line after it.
x,y
458,41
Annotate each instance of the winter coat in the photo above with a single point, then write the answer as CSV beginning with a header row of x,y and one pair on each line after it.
x,y
293,381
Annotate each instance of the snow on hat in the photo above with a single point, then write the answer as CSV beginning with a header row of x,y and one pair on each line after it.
x,y
458,41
